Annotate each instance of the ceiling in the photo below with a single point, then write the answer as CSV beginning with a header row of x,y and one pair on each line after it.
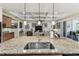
x,y
61,10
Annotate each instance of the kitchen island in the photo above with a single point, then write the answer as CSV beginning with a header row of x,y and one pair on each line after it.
x,y
16,46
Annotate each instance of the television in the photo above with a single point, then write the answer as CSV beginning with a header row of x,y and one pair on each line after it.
x,y
38,28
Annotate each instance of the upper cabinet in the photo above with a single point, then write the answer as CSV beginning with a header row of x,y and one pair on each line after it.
x,y
7,21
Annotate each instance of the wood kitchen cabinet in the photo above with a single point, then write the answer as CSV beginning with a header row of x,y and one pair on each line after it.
x,y
6,21
8,36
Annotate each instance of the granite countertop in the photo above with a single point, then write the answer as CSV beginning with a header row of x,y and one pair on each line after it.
x,y
16,45
7,32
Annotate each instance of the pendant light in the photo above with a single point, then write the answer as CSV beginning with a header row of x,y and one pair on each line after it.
x,y
39,22
53,22
25,22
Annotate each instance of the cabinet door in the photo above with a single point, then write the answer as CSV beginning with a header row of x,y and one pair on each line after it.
x,y
5,37
6,21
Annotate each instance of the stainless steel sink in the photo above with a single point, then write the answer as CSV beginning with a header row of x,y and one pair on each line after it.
x,y
39,45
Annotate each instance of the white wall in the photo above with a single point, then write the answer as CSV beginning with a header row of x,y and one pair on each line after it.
x,y
0,14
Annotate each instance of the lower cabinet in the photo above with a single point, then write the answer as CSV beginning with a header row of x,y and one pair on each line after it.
x,y
8,36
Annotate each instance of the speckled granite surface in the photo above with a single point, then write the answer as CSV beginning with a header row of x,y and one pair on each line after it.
x,y
16,45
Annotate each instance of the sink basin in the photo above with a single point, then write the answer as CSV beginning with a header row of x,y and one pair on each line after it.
x,y
39,45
